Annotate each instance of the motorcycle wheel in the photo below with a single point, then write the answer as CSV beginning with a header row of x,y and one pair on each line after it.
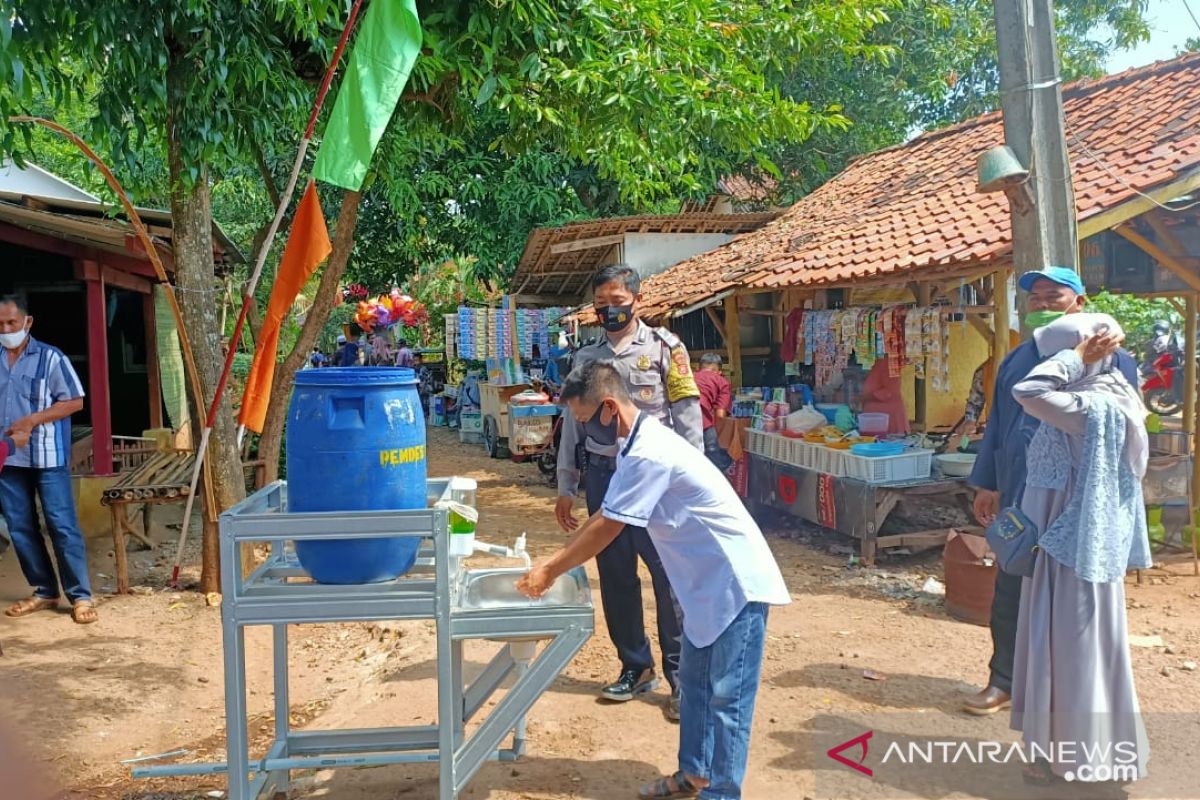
x,y
547,462
1163,402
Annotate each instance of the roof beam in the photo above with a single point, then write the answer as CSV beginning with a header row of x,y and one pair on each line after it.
x,y
1186,272
587,244
1140,204
1165,235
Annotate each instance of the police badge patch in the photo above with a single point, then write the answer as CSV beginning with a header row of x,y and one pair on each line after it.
x,y
680,381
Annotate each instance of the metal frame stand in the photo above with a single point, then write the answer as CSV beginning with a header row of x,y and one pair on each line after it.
x,y
279,594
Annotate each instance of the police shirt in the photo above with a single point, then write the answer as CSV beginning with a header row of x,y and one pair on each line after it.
x,y
659,379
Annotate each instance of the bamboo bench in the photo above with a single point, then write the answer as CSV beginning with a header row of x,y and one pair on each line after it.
x,y
164,478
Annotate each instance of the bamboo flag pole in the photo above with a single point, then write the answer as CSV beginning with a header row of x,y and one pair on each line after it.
x,y
151,253
248,294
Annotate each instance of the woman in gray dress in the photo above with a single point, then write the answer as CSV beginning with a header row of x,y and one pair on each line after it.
x,y
1074,698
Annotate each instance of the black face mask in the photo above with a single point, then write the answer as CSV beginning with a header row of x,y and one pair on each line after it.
x,y
615,318
599,432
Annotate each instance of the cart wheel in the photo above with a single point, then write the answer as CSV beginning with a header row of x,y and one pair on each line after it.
x,y
491,437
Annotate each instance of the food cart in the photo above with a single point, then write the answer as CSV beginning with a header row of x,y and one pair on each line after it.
x,y
515,429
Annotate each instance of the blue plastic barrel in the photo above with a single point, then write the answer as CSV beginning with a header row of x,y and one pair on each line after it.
x,y
356,442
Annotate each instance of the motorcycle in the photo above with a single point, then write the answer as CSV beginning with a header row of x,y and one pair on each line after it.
x,y
1162,388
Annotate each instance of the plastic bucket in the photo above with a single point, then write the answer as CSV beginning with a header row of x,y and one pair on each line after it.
x,y
356,442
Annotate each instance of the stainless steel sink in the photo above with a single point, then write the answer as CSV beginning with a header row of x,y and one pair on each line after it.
x,y
487,589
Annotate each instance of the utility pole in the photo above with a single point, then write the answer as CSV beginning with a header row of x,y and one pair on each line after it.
x,y
1044,218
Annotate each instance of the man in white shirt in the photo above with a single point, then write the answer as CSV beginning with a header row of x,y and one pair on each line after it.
x,y
719,565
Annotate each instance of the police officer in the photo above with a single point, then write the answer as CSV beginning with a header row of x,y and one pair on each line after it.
x,y
658,376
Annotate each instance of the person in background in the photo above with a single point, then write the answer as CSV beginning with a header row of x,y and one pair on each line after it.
x,y
978,402
404,354
366,344
657,373
1073,677
1162,342
339,350
352,352
724,575
716,402
999,472
39,391
316,360
381,351
424,381
881,394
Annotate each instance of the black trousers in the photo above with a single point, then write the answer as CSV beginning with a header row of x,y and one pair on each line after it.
x,y
621,589
1006,605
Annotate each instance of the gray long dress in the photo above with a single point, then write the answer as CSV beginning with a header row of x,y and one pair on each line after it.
x,y
1073,683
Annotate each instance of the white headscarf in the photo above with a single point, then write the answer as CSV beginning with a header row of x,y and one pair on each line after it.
x,y
1066,333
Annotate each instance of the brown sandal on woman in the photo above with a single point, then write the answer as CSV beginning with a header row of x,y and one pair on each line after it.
x,y
31,605
84,613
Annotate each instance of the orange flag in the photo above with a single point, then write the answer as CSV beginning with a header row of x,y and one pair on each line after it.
x,y
307,246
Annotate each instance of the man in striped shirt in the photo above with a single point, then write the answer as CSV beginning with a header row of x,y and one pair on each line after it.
x,y
39,391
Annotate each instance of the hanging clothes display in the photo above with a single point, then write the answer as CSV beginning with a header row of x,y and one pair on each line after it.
x,y
903,336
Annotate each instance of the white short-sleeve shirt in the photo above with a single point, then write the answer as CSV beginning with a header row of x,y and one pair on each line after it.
x,y
711,548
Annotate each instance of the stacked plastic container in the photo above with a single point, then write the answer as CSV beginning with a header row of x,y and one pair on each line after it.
x,y
911,465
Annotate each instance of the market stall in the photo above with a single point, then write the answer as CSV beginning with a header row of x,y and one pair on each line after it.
x,y
507,353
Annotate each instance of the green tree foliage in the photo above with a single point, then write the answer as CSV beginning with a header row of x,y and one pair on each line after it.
x,y
1137,315
942,70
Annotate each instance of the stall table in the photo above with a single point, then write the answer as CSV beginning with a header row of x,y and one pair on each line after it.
x,y
852,507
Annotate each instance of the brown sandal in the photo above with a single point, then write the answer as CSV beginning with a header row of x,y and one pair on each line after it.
x,y
84,613
31,605
664,788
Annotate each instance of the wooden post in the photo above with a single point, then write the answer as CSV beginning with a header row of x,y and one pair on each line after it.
x,y
1000,317
781,305
1189,419
921,389
153,369
1189,364
97,328
733,339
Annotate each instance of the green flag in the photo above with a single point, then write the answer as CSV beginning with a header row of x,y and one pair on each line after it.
x,y
386,47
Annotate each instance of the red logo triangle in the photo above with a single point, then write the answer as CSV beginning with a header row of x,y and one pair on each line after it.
x,y
858,741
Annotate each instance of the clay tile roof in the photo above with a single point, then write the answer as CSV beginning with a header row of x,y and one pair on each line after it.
x,y
754,189
915,206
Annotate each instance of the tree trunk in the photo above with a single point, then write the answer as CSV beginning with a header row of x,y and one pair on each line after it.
x,y
343,245
199,295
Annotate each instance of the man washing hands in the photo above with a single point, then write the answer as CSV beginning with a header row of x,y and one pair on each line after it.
x,y
719,565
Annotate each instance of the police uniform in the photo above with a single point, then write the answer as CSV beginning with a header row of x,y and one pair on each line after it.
x,y
658,377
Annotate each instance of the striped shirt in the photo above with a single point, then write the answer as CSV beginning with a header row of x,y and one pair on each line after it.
x,y
41,377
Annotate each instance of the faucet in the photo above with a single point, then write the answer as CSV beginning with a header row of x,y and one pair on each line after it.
x,y
516,551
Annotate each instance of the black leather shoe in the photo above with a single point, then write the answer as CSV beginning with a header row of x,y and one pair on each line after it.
x,y
631,684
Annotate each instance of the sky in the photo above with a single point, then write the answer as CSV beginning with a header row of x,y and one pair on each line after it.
x,y
1170,27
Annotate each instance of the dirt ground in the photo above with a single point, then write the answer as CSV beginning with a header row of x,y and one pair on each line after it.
x,y
854,645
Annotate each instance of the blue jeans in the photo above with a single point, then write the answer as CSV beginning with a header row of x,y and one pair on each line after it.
x,y
18,488
718,685
712,448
